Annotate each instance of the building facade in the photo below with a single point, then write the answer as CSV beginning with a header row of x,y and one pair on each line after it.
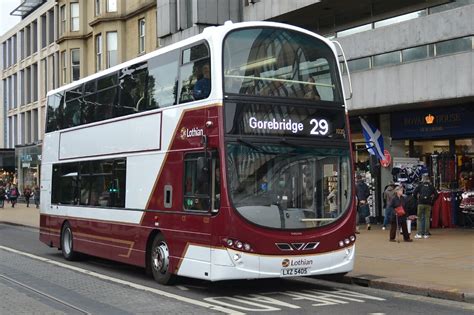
x,y
55,43
29,68
412,70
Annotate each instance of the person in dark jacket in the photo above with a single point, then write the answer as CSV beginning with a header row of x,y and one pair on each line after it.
x,y
2,196
363,193
425,194
388,195
13,195
398,200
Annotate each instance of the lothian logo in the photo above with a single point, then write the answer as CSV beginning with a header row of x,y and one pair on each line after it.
x,y
186,133
285,263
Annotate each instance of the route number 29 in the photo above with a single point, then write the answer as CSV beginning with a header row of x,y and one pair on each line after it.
x,y
320,127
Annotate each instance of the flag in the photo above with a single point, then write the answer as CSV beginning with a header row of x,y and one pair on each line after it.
x,y
373,138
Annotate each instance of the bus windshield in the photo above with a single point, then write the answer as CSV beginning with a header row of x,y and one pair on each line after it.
x,y
288,187
281,63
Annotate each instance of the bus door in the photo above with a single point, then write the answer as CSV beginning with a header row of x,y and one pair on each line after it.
x,y
201,200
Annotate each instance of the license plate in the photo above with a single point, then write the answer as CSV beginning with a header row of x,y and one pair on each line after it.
x,y
294,271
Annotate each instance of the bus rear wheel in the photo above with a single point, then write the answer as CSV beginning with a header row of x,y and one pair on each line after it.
x,y
67,244
160,261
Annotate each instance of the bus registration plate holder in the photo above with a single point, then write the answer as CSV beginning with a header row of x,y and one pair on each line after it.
x,y
285,272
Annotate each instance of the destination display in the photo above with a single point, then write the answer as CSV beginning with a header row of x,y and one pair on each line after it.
x,y
284,120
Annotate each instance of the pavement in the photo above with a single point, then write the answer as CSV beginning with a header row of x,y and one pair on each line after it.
x,y
441,266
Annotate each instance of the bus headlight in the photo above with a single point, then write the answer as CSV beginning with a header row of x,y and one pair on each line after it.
x,y
236,244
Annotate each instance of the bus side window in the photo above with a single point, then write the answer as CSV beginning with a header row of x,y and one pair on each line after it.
x,y
107,96
191,72
163,80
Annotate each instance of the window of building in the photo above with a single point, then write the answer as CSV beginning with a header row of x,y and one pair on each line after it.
x,y
27,41
43,31
62,16
34,82
450,5
112,49
141,36
63,66
98,52
359,64
400,18
34,37
97,7
391,58
21,79
415,53
184,14
22,44
44,69
75,64
111,5
454,46
28,85
354,30
4,54
51,26
74,17
15,91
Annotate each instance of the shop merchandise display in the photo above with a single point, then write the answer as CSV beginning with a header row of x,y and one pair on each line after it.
x,y
467,209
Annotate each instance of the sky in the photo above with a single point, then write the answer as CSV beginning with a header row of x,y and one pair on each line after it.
x,y
6,20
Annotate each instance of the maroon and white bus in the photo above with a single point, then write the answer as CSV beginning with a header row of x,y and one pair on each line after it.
x,y
224,156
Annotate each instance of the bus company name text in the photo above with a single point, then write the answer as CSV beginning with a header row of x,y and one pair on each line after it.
x,y
190,133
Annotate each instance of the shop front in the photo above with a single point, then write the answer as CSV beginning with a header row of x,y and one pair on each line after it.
x,y
7,166
440,142
28,159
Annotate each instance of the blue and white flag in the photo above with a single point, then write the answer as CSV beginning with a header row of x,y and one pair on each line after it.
x,y
373,138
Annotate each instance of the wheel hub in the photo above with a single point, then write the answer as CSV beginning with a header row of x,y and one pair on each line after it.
x,y
160,258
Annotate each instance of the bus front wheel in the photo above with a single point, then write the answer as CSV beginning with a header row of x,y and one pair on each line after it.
x,y
67,243
160,261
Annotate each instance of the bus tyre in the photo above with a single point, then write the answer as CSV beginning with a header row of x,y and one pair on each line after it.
x,y
67,243
160,261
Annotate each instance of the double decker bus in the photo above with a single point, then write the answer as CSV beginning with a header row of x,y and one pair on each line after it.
x,y
224,156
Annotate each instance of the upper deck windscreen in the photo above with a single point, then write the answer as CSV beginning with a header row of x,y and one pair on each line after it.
x,y
277,62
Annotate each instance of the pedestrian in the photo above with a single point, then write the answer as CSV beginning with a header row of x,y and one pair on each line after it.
x,y
13,195
332,200
425,194
2,196
362,193
397,201
36,196
388,195
27,194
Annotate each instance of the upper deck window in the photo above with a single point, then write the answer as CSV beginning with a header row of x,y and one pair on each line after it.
x,y
280,63
195,73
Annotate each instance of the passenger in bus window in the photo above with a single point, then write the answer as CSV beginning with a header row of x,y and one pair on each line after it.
x,y
310,90
202,88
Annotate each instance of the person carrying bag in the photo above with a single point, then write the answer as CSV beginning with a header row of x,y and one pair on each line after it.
x,y
399,216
